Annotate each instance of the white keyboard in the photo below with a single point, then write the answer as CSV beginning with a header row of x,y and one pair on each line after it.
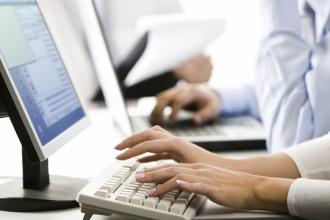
x,y
116,191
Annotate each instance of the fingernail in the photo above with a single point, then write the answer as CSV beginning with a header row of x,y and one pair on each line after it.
x,y
139,177
117,146
151,192
139,171
180,182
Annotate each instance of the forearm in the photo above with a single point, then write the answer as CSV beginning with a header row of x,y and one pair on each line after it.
x,y
271,194
277,165
239,100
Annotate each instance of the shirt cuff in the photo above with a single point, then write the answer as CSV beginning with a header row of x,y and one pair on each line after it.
x,y
312,158
239,100
309,199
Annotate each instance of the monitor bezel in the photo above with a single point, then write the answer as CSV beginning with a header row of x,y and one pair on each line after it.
x,y
41,152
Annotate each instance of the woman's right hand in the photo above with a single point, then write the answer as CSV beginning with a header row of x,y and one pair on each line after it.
x,y
163,145
206,99
225,187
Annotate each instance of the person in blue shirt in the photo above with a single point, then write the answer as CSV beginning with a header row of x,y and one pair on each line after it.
x,y
292,80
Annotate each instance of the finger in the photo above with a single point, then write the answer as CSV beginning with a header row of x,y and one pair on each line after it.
x,y
163,100
155,157
179,165
136,139
160,176
163,188
205,114
160,129
180,101
196,187
152,146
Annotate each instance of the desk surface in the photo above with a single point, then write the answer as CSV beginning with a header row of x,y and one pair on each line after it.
x,y
91,152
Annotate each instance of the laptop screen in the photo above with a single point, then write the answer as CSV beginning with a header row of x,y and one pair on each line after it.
x,y
102,58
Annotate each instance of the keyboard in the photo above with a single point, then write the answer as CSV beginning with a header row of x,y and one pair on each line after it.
x,y
116,191
225,127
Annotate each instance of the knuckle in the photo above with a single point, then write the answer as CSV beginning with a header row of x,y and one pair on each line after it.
x,y
172,170
200,187
203,171
180,176
147,135
162,95
156,128
199,165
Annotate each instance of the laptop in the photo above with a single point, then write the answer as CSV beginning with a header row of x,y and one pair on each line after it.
x,y
224,133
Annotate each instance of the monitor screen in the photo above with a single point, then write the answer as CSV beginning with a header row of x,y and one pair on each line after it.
x,y
37,70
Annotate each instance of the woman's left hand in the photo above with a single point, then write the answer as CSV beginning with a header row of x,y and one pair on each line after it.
x,y
224,187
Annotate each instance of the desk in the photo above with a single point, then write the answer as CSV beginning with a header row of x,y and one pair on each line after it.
x,y
91,152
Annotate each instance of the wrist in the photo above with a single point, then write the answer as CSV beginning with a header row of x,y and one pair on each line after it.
x,y
271,194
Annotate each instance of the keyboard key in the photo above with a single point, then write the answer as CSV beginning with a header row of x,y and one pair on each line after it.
x,y
122,175
186,197
124,197
169,197
164,205
151,202
131,188
178,207
134,183
113,179
102,193
131,164
138,199
142,191
111,188
128,191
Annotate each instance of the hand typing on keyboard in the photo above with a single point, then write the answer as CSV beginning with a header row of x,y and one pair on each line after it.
x,y
161,189
164,145
198,171
226,187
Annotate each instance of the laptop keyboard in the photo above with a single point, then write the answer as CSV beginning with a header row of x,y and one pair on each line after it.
x,y
188,129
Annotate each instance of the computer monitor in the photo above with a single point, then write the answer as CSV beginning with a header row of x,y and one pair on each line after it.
x,y
42,104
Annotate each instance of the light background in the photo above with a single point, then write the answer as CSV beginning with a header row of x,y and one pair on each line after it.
x,y
234,54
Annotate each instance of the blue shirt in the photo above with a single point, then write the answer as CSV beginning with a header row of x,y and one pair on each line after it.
x,y
291,94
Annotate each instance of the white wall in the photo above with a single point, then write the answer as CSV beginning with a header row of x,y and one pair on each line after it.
x,y
235,53
120,17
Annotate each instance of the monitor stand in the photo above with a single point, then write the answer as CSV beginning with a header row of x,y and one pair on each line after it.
x,y
37,191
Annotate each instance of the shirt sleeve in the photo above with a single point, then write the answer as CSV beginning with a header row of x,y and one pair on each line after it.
x,y
288,90
312,158
239,100
309,197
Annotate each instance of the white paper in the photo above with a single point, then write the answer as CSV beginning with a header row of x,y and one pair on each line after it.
x,y
172,41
